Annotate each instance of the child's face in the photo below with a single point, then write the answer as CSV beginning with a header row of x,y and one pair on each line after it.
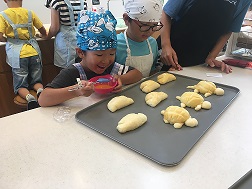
x,y
136,34
98,61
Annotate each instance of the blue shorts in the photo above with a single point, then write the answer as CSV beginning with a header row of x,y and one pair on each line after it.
x,y
29,73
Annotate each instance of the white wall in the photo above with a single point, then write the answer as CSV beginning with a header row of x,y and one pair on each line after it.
x,y
43,13
36,5
115,6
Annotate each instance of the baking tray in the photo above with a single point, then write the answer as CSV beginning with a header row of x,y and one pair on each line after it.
x,y
244,182
156,140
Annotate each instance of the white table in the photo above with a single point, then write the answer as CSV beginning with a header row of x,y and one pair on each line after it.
x,y
38,152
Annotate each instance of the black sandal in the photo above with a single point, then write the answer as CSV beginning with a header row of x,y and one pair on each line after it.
x,y
32,105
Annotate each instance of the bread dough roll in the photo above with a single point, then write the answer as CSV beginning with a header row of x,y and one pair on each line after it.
x,y
131,121
193,100
204,87
119,102
219,91
191,122
207,88
178,116
154,98
165,78
206,105
190,99
149,85
175,114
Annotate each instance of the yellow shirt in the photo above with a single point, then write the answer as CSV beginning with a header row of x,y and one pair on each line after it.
x,y
20,16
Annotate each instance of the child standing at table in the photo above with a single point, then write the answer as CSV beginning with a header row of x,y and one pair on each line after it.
x,y
136,47
22,50
64,16
96,41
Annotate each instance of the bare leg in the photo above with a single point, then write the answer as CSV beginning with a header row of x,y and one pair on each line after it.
x,y
23,92
37,86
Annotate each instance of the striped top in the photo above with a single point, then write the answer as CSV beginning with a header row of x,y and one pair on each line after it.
x,y
62,8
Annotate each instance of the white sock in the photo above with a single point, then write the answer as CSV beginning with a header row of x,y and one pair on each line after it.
x,y
39,90
30,97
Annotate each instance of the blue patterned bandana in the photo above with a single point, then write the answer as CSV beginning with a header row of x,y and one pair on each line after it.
x,y
96,30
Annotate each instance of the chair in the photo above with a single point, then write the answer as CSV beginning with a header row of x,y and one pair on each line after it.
x,y
23,102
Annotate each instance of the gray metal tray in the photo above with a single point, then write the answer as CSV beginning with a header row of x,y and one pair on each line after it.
x,y
244,182
156,140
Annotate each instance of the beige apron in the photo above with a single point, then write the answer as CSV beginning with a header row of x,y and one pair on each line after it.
x,y
142,63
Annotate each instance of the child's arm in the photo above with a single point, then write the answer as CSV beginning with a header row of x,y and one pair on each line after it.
x,y
39,25
130,77
55,24
2,38
50,96
43,33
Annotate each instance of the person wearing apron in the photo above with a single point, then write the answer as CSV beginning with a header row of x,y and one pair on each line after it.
x,y
143,63
136,47
22,50
65,36
198,30
96,46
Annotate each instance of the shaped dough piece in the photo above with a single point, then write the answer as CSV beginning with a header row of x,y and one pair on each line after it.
x,y
119,102
165,78
149,85
131,121
193,100
207,88
154,98
190,99
191,122
178,116
206,105
219,91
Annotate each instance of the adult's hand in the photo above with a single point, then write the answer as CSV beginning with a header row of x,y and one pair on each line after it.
x,y
169,57
219,64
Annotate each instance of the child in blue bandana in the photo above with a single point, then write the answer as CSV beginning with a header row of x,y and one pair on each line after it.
x,y
96,41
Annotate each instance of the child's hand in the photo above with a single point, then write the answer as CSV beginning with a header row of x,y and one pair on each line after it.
x,y
83,88
87,88
39,35
118,88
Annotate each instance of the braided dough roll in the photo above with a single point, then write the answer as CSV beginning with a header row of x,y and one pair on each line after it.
x,y
131,121
119,102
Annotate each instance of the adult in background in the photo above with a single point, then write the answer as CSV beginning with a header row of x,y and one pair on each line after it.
x,y
195,31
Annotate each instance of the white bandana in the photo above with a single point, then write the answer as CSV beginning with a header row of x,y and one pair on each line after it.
x,y
144,10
